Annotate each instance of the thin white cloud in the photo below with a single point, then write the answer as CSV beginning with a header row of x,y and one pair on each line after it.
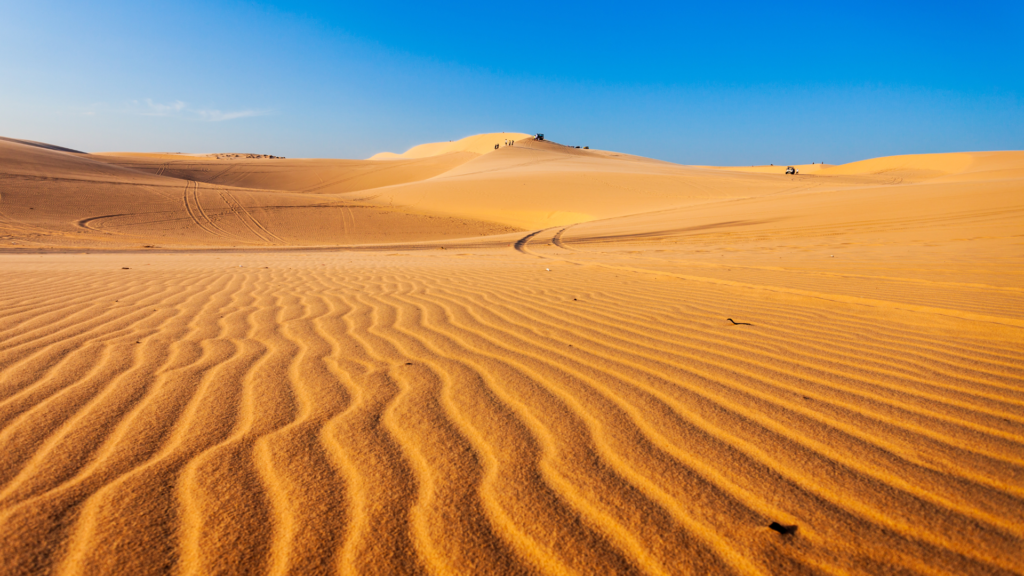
x,y
157,109
178,108
218,116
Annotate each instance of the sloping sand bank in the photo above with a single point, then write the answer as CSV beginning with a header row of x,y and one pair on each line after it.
x,y
52,199
469,411
477,144
736,373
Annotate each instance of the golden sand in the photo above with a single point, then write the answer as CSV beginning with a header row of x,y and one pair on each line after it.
x,y
475,361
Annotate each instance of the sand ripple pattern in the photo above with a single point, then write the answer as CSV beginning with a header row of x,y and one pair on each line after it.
x,y
360,414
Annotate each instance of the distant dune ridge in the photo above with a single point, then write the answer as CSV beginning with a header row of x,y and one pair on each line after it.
x,y
534,359
478,144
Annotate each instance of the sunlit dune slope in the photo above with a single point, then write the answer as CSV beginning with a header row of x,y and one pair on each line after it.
x,y
947,167
291,175
33,160
772,169
958,198
41,145
477,144
540,184
51,198
952,196
666,370
55,197
952,242
498,411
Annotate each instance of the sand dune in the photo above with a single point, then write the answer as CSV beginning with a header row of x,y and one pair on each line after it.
x,y
773,169
52,199
306,176
516,186
478,144
430,390
41,145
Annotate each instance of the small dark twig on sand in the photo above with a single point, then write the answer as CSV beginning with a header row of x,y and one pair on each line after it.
x,y
782,529
739,323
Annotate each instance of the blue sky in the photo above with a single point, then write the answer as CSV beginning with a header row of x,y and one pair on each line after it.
x,y
739,83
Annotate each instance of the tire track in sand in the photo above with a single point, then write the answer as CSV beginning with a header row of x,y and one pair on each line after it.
x,y
198,215
250,222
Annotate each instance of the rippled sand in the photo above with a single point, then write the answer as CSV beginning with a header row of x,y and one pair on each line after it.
x,y
568,399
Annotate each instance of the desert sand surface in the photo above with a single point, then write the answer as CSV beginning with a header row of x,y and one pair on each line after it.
x,y
477,144
773,169
531,360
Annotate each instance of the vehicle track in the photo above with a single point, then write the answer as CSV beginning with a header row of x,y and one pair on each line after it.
x,y
557,239
520,244
84,222
194,213
249,220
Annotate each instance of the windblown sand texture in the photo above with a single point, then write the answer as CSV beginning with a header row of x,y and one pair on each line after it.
x,y
463,360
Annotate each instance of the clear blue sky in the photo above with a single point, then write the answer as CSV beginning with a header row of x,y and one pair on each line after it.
x,y
739,83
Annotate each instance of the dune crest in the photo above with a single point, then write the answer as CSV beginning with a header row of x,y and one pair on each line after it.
x,y
477,144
